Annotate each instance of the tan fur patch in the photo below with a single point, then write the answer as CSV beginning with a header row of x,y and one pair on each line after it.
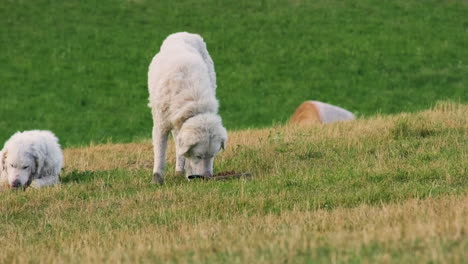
x,y
306,113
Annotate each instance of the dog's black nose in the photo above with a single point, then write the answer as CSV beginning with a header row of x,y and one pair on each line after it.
x,y
16,184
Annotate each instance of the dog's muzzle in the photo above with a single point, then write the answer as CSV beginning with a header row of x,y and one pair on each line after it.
x,y
16,184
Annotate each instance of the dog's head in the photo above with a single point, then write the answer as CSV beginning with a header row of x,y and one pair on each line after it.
x,y
19,167
199,140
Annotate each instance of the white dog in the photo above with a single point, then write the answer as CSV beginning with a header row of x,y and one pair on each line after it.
x,y
182,95
31,158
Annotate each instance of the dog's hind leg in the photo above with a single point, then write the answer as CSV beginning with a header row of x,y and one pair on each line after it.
x,y
159,145
180,160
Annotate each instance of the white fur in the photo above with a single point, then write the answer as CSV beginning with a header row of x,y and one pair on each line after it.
x,y
331,113
31,157
182,95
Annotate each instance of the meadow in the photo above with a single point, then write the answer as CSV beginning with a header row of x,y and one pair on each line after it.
x,y
388,189
79,68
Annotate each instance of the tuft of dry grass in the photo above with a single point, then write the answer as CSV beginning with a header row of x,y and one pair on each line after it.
x,y
383,189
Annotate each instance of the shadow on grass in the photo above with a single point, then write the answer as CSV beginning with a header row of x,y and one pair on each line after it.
x,y
405,128
78,177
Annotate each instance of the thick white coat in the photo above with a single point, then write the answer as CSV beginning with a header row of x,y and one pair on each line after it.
x,y
331,113
182,96
31,158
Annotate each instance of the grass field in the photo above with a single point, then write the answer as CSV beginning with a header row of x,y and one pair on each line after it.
x,y
79,67
388,189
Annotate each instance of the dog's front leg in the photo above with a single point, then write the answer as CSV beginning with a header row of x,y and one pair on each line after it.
x,y
45,181
180,160
159,146
180,164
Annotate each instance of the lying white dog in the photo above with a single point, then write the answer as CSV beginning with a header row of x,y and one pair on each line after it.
x,y
31,158
182,95
311,112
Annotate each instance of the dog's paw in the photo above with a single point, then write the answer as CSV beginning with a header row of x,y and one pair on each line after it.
x,y
157,178
35,185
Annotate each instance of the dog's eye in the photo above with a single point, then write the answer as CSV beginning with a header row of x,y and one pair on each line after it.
x,y
199,157
11,165
25,167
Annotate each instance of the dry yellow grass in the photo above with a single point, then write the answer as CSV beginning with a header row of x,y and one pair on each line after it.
x,y
415,231
389,189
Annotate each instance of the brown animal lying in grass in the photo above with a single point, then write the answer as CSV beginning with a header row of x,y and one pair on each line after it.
x,y
312,112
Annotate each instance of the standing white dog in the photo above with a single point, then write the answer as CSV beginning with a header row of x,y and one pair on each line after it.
x,y
31,158
182,95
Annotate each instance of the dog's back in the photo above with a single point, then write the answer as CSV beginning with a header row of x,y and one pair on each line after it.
x,y
182,42
181,80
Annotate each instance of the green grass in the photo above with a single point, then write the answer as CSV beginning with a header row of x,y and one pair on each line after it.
x,y
388,189
79,67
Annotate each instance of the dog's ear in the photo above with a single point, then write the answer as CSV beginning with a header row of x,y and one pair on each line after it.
x,y
186,140
36,164
183,147
4,155
38,158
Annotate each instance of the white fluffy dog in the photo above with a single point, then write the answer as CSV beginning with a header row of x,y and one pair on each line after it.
x,y
31,158
182,95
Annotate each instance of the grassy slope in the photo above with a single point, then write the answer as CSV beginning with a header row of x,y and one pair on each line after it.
x,y
79,67
386,189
